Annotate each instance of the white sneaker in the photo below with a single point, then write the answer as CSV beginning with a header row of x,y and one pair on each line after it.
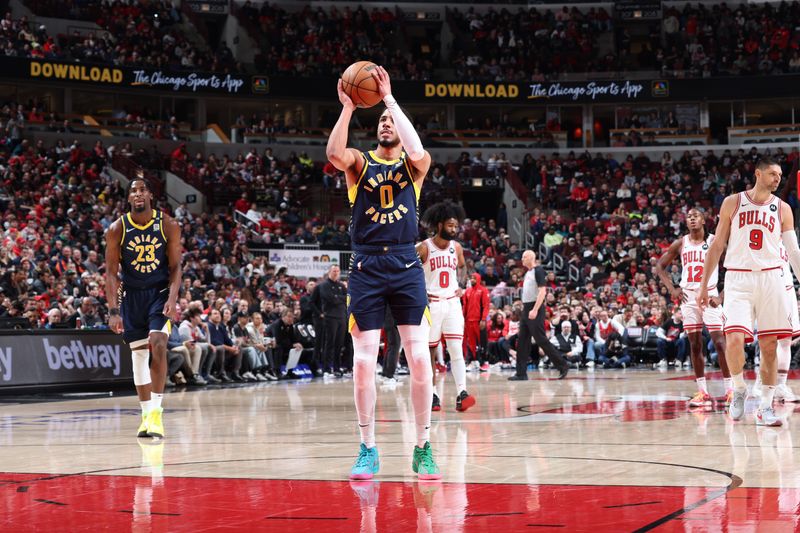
x,y
249,376
687,364
767,417
784,394
736,408
261,377
589,364
662,364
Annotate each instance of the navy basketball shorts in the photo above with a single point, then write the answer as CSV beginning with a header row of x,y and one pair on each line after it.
x,y
142,311
386,275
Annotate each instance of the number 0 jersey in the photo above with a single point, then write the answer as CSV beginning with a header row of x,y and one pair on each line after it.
x,y
755,240
693,255
144,259
441,274
384,202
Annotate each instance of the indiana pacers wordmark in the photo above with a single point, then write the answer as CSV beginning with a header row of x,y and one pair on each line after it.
x,y
384,202
386,197
145,246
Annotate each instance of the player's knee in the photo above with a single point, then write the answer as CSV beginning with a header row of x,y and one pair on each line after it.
x,y
455,349
140,357
365,346
719,344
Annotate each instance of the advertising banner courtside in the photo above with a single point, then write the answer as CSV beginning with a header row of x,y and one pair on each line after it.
x,y
50,357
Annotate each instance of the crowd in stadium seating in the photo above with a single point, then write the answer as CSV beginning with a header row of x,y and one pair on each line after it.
x,y
57,201
503,44
506,45
139,34
735,40
323,42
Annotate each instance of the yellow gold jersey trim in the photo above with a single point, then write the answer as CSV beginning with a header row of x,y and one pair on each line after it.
x,y
383,161
352,192
137,226
417,189
350,323
161,226
122,237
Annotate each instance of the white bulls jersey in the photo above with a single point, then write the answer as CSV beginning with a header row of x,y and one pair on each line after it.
x,y
693,255
441,276
755,240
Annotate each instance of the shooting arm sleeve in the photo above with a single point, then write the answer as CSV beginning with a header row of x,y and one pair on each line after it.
x,y
405,130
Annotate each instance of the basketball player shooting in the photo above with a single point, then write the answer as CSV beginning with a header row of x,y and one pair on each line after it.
x,y
752,224
143,251
383,187
445,271
692,250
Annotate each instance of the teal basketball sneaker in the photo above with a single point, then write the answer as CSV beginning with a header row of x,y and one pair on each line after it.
x,y
367,464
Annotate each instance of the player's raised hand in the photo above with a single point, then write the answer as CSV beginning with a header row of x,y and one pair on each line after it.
x,y
702,299
381,77
343,98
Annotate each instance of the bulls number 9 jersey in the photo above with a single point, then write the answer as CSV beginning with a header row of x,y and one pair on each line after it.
x,y
755,240
693,255
441,275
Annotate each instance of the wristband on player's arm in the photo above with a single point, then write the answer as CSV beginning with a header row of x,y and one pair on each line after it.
x,y
113,311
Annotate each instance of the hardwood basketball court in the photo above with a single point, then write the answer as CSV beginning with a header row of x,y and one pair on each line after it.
x,y
599,451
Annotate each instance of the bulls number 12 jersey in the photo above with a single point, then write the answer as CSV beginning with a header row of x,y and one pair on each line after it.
x,y
755,240
441,275
693,256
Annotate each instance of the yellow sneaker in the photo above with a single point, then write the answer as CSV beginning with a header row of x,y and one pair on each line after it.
x,y
155,428
142,431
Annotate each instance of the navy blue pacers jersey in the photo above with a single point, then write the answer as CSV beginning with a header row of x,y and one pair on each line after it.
x,y
144,253
385,267
384,202
145,277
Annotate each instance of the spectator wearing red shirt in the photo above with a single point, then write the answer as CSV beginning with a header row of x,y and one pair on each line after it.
x,y
475,303
580,193
242,204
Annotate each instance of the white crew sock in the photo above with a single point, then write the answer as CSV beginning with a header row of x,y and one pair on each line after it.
x,y
727,383
145,406
738,381
767,393
155,402
701,385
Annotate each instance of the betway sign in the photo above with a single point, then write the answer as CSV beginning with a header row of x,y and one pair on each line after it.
x,y
67,356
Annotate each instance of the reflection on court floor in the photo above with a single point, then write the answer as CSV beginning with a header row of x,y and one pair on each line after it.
x,y
602,451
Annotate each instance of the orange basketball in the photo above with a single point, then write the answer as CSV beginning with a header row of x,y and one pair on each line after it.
x,y
358,84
